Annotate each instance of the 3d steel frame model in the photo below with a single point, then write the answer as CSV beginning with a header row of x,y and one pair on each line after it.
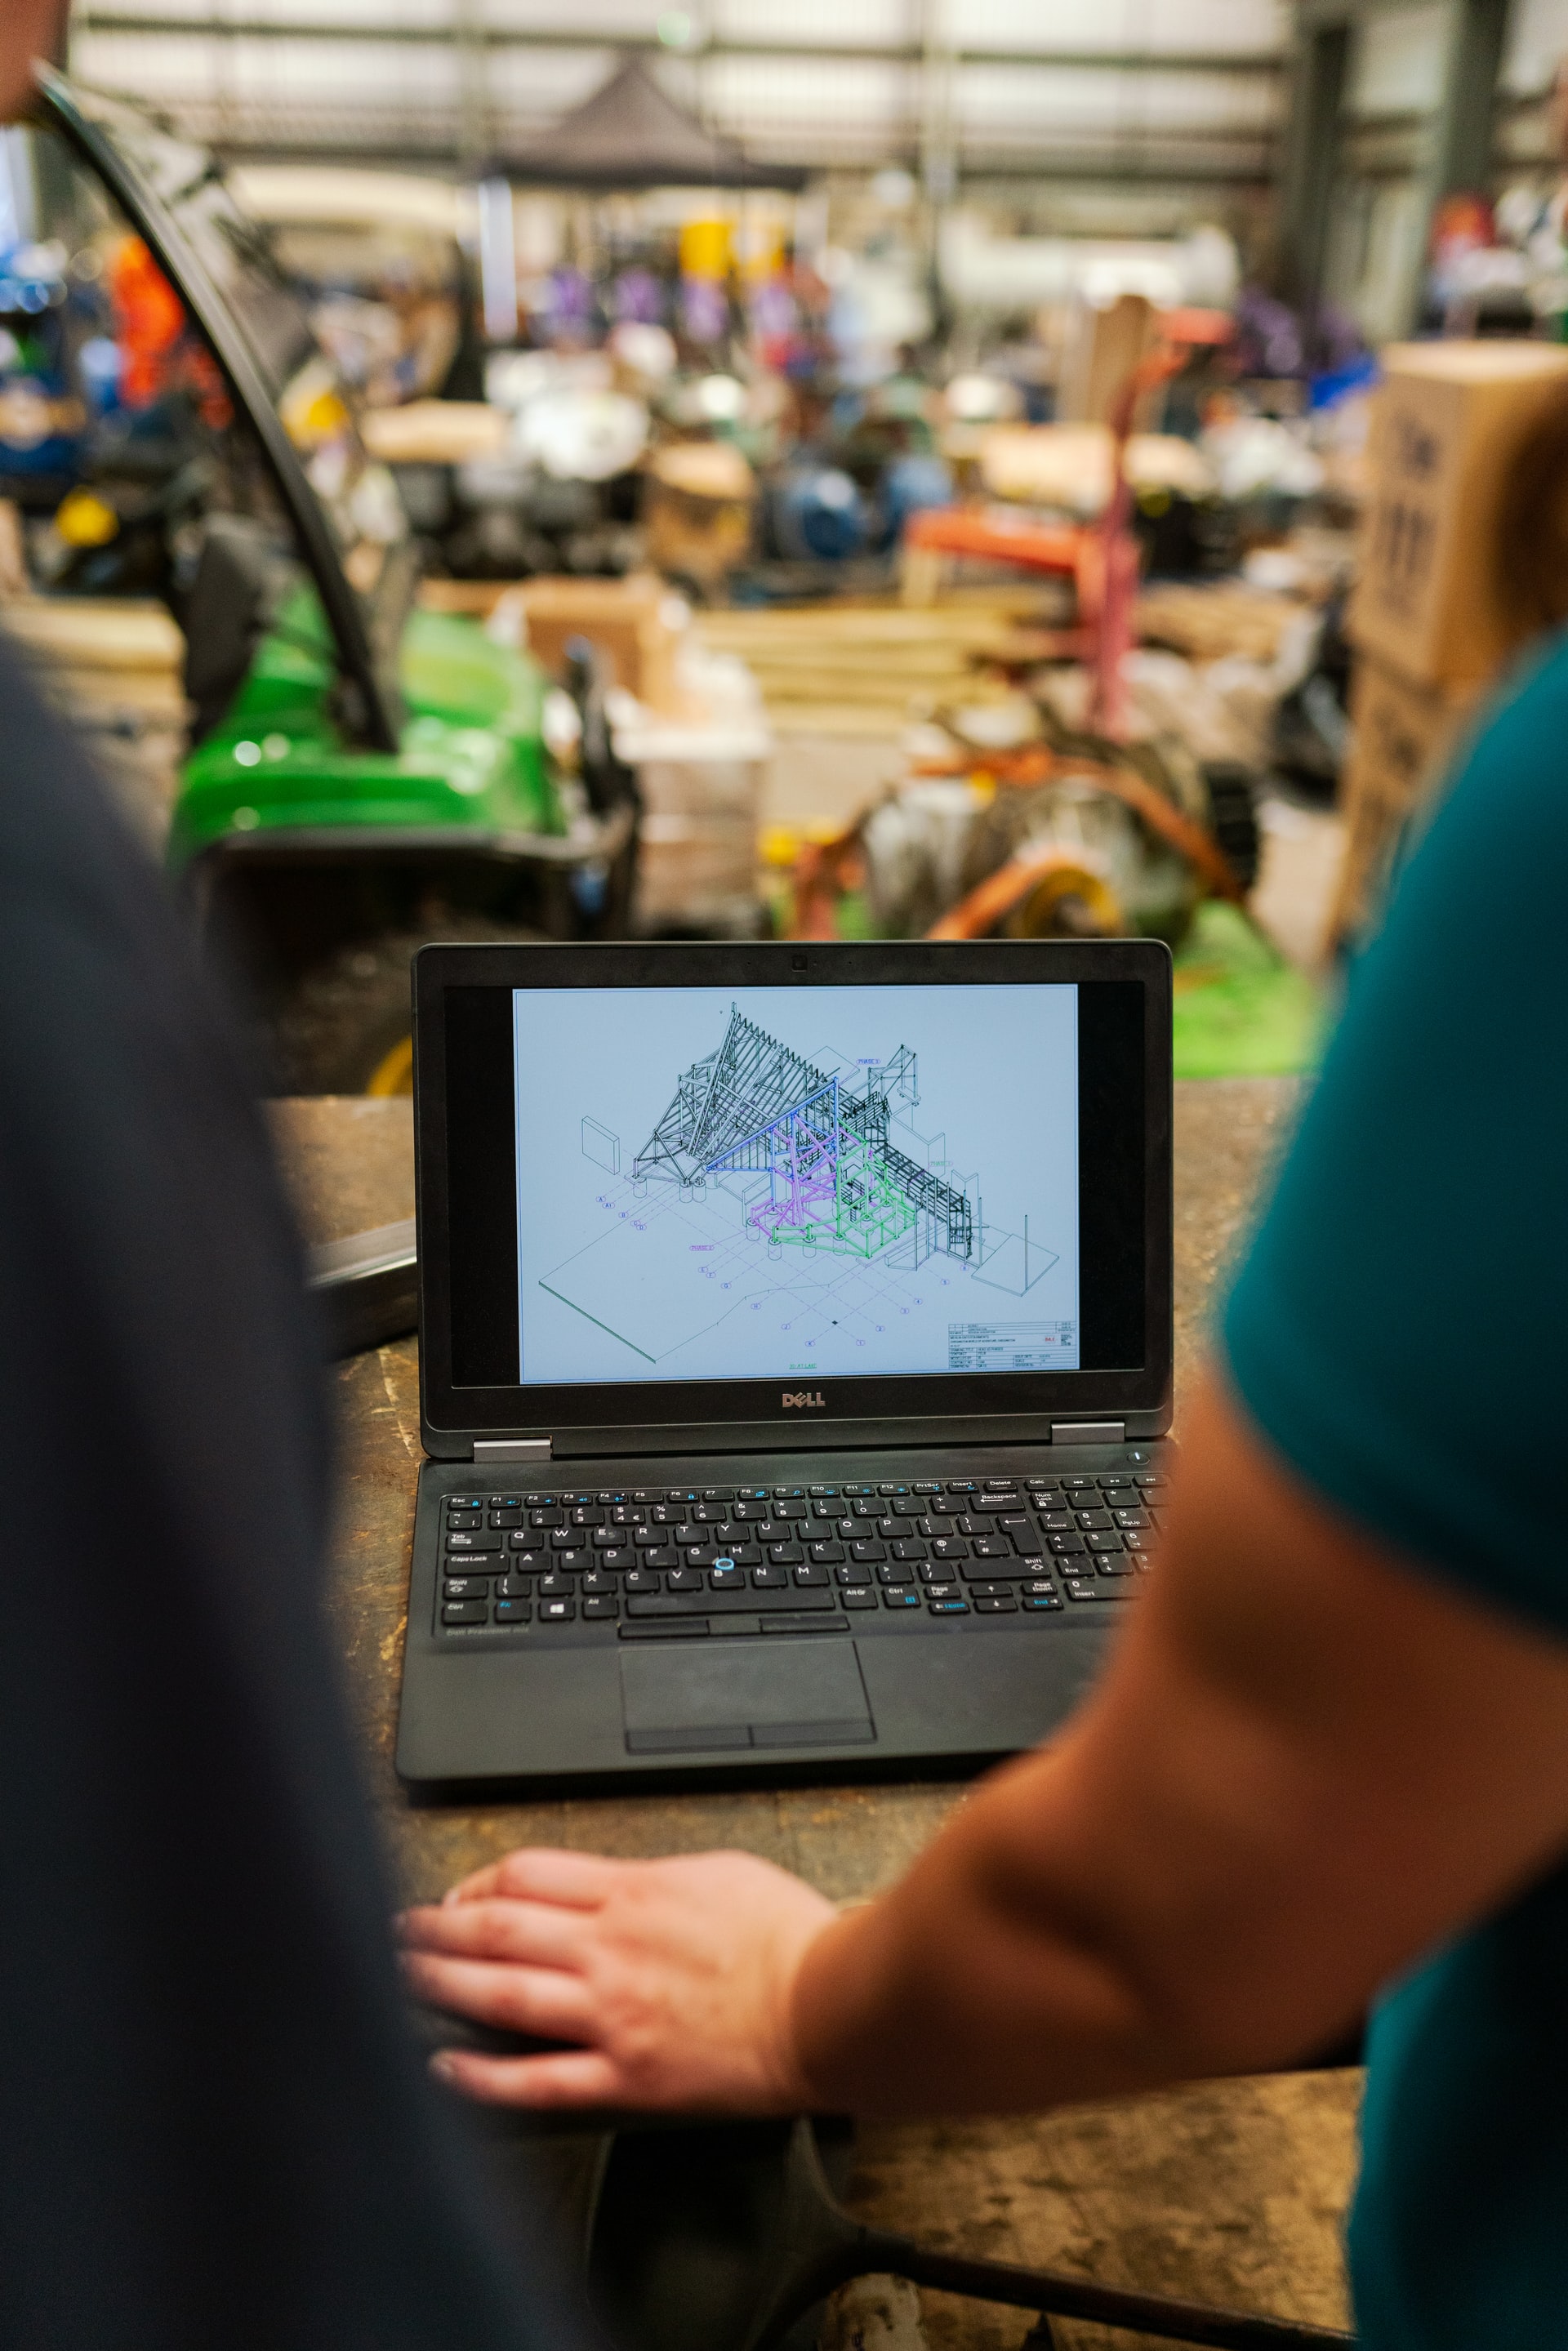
x,y
835,1181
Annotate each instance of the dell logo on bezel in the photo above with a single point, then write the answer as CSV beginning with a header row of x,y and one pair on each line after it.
x,y
806,1400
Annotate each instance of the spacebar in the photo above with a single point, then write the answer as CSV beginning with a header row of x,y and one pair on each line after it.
x,y
727,1604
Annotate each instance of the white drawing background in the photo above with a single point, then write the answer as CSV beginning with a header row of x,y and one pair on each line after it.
x,y
627,1281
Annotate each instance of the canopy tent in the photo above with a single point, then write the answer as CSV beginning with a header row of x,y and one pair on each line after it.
x,y
632,134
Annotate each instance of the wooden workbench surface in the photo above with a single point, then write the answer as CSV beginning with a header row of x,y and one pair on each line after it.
x,y
1229,2191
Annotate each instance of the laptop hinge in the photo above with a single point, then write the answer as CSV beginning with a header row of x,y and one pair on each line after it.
x,y
1088,1432
512,1449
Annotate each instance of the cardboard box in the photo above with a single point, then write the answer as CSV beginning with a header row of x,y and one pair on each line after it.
x,y
1404,739
1445,425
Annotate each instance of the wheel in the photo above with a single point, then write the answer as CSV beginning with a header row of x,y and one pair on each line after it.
x,y
345,1026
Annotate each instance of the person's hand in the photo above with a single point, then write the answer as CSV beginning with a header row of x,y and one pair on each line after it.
x,y
676,1978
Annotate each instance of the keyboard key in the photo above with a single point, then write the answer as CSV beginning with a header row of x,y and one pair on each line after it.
x,y
1038,1586
601,1608
557,1612
513,1587
597,1586
934,1571
908,1506
858,1599
1131,1517
909,1551
465,1502
785,1554
472,1539
466,1587
946,1607
950,1547
617,1556
1062,1544
465,1518
642,1579
971,1523
895,1572
514,1612
685,1579
864,1552
828,1554
847,1576
1039,1601
1003,1604
930,1528
944,1592
1111,1590
556,1587
990,1592
811,1575
1098,1542
769,1579
465,1612
816,1491
992,1547
926,1489
1059,1522
900,1598
662,1555
893,1490
718,1493
1120,1565
504,1519
1087,1519
960,1485
728,1578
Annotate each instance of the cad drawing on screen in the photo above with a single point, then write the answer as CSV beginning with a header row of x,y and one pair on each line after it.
x,y
786,1209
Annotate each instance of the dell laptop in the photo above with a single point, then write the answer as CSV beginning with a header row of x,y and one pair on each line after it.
x,y
795,1352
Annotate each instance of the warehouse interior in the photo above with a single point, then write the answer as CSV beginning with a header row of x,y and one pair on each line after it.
x,y
804,363
805,471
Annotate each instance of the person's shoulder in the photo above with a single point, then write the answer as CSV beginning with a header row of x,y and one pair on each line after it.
x,y
1518,739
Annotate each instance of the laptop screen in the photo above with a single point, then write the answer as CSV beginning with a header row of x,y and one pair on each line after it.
x,y
666,1184
772,1183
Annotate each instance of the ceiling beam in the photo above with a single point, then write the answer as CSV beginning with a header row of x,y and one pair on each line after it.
x,y
104,20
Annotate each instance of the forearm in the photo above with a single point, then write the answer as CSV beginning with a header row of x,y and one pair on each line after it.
x,y
948,1996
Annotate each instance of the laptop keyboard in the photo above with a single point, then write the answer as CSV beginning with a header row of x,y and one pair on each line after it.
x,y
658,1562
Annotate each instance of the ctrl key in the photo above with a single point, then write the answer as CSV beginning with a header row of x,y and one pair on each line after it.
x,y
465,1612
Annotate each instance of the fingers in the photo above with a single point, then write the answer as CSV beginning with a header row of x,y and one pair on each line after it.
x,y
578,1881
536,1934
541,2000
585,2078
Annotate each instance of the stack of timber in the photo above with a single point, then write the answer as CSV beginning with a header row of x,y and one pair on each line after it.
x,y
870,669
115,668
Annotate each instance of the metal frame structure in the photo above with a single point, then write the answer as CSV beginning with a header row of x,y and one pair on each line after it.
x,y
835,1181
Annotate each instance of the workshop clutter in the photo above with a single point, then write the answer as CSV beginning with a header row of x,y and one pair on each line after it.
x,y
685,718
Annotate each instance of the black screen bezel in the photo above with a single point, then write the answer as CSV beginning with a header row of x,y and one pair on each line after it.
x,y
646,1414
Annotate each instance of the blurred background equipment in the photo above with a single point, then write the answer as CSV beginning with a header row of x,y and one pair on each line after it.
x,y
696,471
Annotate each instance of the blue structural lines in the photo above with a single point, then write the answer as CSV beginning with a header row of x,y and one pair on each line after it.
x,y
810,1158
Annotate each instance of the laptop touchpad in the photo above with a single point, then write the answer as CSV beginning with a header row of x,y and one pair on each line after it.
x,y
693,1700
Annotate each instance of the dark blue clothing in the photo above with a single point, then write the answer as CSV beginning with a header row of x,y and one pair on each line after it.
x,y
216,2137
1397,1333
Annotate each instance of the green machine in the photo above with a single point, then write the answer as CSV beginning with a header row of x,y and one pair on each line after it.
x,y
364,774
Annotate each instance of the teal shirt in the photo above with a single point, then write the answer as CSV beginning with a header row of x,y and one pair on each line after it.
x,y
1399,1333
